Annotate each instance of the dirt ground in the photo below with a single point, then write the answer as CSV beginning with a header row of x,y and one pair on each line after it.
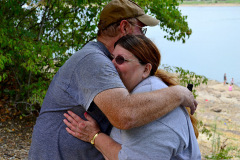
x,y
217,107
15,138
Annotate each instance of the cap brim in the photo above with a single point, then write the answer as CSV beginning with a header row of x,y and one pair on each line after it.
x,y
148,20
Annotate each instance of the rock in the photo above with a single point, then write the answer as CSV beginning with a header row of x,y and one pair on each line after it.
x,y
216,109
236,105
228,96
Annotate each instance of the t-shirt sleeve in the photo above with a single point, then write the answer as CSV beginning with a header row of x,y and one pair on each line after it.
x,y
94,74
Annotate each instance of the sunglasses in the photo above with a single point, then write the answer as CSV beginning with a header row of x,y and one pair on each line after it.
x,y
120,59
143,29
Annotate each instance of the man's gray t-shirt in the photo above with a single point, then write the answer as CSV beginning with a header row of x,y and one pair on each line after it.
x,y
86,73
169,137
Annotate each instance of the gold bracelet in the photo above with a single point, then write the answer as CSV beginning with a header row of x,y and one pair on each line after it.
x,y
94,137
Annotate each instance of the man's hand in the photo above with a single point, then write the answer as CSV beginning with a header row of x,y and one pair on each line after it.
x,y
187,98
79,128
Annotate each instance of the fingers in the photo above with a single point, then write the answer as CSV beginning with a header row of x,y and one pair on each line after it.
x,y
191,106
80,128
194,107
89,118
72,127
195,103
192,102
71,120
188,100
71,132
75,117
79,132
78,135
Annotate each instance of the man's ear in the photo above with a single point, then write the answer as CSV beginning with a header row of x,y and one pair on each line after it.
x,y
125,27
147,70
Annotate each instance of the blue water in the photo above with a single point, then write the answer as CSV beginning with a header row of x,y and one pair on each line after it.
x,y
214,46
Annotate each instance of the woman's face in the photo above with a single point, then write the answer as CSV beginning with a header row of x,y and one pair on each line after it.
x,y
131,71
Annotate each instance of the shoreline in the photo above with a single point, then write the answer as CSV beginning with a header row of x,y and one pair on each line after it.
x,y
211,5
228,83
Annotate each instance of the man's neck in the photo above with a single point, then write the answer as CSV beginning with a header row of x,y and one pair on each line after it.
x,y
108,42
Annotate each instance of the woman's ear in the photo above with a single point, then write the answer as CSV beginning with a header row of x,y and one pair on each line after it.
x,y
125,27
147,70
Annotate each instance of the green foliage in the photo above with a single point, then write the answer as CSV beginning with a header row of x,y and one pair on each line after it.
x,y
36,40
38,36
186,77
204,130
219,150
172,22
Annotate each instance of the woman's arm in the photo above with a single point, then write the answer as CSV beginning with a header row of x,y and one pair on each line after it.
x,y
86,130
107,146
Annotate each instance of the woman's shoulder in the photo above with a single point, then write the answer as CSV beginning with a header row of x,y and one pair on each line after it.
x,y
157,83
149,84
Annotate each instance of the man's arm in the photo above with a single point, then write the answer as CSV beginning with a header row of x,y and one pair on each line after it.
x,y
126,111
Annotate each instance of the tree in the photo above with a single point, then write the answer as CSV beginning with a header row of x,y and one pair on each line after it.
x,y
38,36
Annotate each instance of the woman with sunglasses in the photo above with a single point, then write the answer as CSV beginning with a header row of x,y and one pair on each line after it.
x,y
173,136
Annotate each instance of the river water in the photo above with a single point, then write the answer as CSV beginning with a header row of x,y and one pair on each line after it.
x,y
213,48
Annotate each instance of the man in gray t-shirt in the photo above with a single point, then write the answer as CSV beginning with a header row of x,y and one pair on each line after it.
x,y
75,85
89,82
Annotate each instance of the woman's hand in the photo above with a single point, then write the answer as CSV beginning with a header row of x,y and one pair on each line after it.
x,y
79,128
86,130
